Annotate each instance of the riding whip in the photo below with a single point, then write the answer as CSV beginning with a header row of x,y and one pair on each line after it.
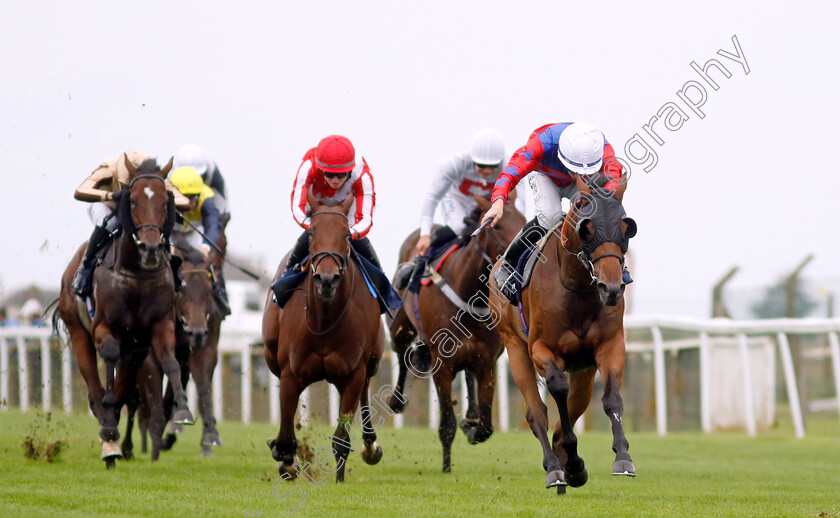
x,y
215,247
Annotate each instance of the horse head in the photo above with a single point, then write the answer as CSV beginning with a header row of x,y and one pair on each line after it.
x,y
329,245
601,233
147,211
495,240
195,305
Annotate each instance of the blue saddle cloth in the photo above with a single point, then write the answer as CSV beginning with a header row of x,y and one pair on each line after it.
x,y
377,283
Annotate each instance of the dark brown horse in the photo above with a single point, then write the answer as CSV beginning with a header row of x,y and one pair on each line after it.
x,y
329,330
458,340
197,329
574,310
134,295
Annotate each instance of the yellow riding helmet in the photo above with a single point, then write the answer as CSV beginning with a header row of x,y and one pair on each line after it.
x,y
187,180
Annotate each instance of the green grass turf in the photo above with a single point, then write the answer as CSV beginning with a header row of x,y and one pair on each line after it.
x,y
683,474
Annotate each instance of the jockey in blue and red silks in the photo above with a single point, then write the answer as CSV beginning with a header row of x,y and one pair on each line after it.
x,y
559,152
332,172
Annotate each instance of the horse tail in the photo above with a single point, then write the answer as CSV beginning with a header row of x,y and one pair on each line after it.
x,y
58,330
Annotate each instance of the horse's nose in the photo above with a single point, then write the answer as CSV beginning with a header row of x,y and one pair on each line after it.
x,y
327,281
197,335
148,248
610,293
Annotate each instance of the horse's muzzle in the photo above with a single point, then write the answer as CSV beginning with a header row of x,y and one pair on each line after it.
x,y
610,293
151,254
326,284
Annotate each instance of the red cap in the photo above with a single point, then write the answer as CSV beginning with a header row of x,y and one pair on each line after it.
x,y
335,154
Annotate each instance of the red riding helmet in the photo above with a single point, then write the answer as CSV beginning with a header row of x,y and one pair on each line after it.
x,y
335,154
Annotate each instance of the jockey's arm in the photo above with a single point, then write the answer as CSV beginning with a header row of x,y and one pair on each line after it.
x,y
211,221
524,161
217,181
302,183
181,201
96,187
446,176
365,202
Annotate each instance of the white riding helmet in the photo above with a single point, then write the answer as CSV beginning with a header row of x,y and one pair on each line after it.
x,y
190,155
581,148
487,148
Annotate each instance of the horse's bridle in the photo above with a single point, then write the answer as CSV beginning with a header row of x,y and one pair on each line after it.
x,y
340,260
585,259
141,226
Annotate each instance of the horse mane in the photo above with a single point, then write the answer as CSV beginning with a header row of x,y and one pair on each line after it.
x,y
149,166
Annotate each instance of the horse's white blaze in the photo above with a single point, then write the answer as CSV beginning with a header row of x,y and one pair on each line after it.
x,y
149,192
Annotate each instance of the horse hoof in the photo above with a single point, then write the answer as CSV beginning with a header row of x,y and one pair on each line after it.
x,y
110,463
561,490
397,405
555,478
176,428
183,416
127,454
577,479
286,469
110,450
624,467
373,454
207,452
211,439
168,442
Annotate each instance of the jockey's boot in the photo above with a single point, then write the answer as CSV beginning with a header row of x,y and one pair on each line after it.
x,y
220,293
527,237
83,279
177,276
299,251
414,268
365,249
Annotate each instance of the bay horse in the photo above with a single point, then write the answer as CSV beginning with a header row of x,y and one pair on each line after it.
x,y
134,295
197,330
574,311
328,330
445,326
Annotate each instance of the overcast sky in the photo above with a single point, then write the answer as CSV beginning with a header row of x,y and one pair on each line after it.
x,y
752,182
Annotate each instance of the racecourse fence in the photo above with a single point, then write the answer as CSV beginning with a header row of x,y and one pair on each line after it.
x,y
726,368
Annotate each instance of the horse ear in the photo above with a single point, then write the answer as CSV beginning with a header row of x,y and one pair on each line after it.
x,y
168,167
581,184
622,186
483,203
129,166
345,205
630,227
585,229
310,199
225,220
512,196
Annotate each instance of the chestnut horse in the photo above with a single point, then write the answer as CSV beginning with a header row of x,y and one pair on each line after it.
x,y
328,330
458,340
134,295
574,310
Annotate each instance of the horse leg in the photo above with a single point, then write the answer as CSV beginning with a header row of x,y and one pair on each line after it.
x,y
473,411
85,354
284,446
522,368
127,445
155,420
482,425
402,334
557,382
580,392
351,394
446,431
612,371
163,342
372,452
202,363
109,432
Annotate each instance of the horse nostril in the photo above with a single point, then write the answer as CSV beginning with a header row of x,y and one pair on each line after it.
x,y
602,287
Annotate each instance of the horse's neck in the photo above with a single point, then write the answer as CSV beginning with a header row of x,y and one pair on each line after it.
x,y
567,246
466,267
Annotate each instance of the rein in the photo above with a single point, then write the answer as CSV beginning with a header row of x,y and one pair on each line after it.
x,y
342,263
